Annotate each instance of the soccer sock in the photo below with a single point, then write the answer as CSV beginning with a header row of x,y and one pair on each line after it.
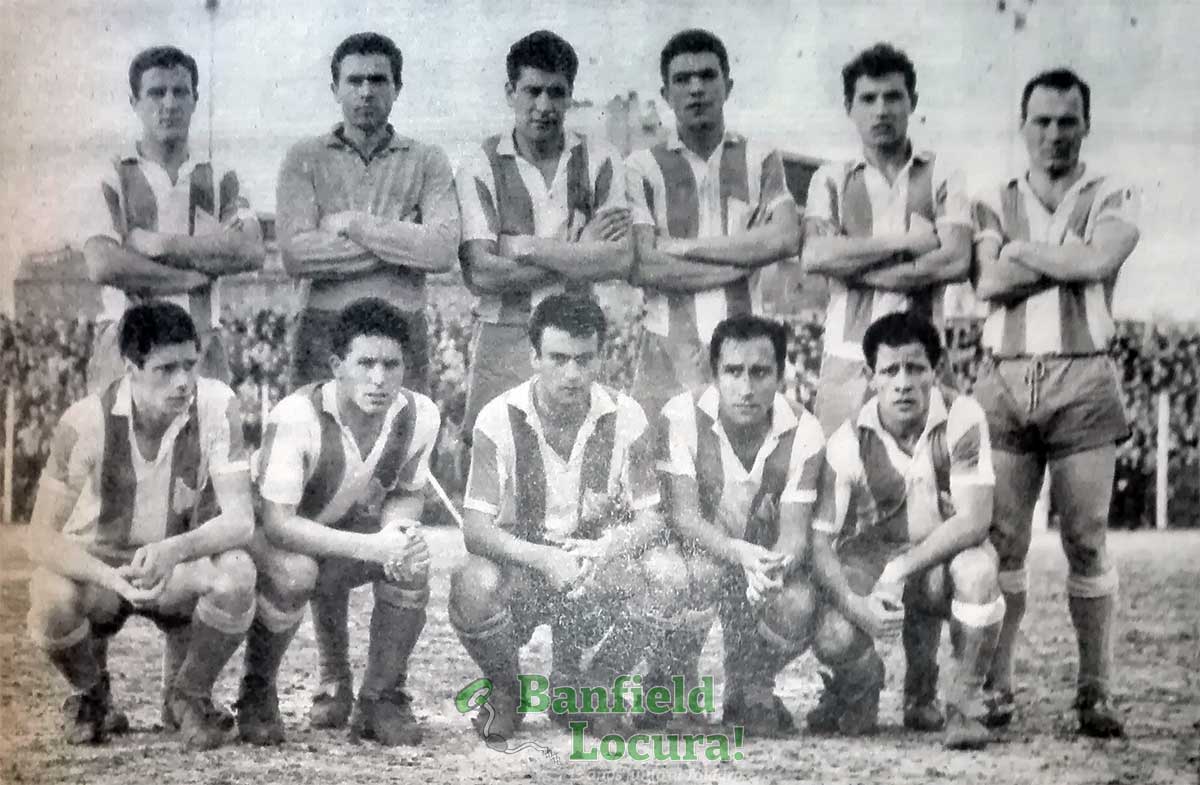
x,y
330,617
975,627
216,634
175,650
268,639
74,656
493,646
566,654
683,645
1013,586
396,622
1093,618
922,634
625,644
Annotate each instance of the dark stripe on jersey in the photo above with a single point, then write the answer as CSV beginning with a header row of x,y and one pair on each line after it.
x,y
200,194
513,203
682,196
857,220
113,200
489,206
1072,314
391,462
734,179
529,477
141,208
579,186
118,482
185,468
323,483
763,526
887,487
1078,220
603,182
710,472
229,199
597,464
920,191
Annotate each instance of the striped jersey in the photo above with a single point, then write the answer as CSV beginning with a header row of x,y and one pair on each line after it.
x,y
125,499
310,459
745,503
138,194
499,192
517,477
1063,319
877,486
854,199
684,197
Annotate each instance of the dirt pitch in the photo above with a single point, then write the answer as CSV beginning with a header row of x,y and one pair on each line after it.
x,y
1158,649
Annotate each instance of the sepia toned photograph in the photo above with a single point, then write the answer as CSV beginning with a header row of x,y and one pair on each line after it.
x,y
642,392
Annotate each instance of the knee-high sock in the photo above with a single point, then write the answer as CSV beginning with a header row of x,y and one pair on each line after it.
x,y
175,650
975,628
330,617
1092,602
268,639
216,634
493,646
678,653
1013,587
396,622
73,655
922,633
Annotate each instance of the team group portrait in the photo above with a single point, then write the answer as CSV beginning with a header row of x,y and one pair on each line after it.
x,y
621,440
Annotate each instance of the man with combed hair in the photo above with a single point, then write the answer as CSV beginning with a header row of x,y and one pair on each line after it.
x,y
903,529
890,229
560,518
341,474
543,211
164,225
710,209
363,211
1049,246
742,464
144,507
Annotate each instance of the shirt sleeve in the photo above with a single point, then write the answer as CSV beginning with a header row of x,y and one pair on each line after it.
x,y
490,472
808,457
223,428
639,190
100,212
677,450
414,475
285,454
1121,203
986,220
842,476
476,189
969,444
74,450
953,207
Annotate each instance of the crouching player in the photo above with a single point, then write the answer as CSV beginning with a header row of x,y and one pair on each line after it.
x,y
560,511
742,464
340,476
904,531
144,507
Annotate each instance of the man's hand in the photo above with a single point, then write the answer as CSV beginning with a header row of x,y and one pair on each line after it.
x,y
123,583
563,569
593,550
414,559
150,244
763,568
510,246
390,544
1011,252
608,225
920,241
152,564
883,616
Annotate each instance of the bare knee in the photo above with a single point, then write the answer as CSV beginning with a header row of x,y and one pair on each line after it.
x,y
475,590
836,637
289,579
974,573
704,580
665,573
56,604
233,579
792,613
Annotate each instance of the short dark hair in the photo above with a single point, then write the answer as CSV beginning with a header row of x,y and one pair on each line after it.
x,y
747,327
545,51
367,44
147,326
161,57
693,41
1058,79
901,329
878,61
368,316
578,316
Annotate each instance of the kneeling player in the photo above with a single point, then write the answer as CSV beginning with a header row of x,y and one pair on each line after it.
x,y
560,509
742,465
126,521
909,514
341,472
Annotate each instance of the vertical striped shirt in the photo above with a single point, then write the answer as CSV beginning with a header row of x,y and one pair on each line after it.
x,y
1071,318
499,192
854,199
310,459
137,193
517,477
745,503
683,197
877,485
125,499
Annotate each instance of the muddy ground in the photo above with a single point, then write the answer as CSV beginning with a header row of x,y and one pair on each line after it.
x,y
1158,687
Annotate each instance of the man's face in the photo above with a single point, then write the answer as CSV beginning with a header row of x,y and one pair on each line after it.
x,y
880,109
567,366
539,100
1054,129
165,104
166,381
366,91
903,381
696,90
371,373
747,380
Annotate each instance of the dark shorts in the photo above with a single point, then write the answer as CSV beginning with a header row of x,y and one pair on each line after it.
x,y
105,364
1052,406
841,391
312,344
665,368
499,361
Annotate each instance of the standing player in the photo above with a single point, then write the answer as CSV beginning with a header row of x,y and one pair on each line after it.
x,y
560,511
909,514
889,229
543,210
341,472
743,464
126,521
363,211
1049,247
710,208
168,228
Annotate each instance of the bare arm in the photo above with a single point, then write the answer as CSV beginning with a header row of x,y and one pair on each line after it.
x,y
292,532
1001,280
110,264
827,570
1098,260
658,270
949,263
591,258
236,248
62,555
484,538
778,238
968,527
828,252
487,272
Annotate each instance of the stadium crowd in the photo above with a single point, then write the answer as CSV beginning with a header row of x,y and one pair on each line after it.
x,y
44,359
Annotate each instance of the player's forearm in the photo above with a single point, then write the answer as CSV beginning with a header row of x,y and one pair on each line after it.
x,y
695,529
581,262
965,530
633,537
827,570
1003,281
745,250
403,507
110,264
948,264
322,255
427,248
845,257
227,252
657,270
483,537
1076,262
292,532
795,526
233,528
62,555
489,273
